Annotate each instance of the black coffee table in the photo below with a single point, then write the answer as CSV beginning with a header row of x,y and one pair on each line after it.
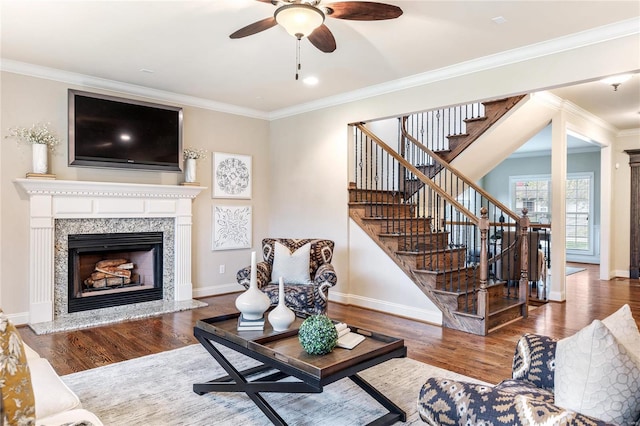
x,y
282,356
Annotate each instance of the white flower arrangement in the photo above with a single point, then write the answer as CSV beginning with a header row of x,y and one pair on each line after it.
x,y
194,154
36,134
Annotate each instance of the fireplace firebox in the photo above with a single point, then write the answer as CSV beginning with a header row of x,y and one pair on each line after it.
x,y
114,269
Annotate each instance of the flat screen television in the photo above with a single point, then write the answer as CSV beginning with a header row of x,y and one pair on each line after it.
x,y
107,131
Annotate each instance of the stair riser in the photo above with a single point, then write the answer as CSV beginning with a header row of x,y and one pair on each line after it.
x,y
393,210
400,225
418,242
360,195
424,242
441,261
504,317
494,293
453,259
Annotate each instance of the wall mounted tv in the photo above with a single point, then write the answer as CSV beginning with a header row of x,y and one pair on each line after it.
x,y
106,131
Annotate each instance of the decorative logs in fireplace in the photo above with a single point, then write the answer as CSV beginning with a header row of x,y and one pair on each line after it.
x,y
113,269
110,273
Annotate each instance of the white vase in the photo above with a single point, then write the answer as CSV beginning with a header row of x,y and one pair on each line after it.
x,y
39,162
190,170
281,317
253,303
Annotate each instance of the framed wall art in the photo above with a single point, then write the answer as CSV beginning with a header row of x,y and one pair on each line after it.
x,y
231,227
231,176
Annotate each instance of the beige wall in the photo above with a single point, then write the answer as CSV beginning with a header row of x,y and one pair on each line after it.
x,y
27,100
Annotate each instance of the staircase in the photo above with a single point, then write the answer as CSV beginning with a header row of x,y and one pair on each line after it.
x,y
437,226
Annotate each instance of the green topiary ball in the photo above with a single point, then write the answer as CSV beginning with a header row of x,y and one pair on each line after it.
x,y
318,335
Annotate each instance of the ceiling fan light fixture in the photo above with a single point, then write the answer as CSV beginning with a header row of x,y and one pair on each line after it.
x,y
299,19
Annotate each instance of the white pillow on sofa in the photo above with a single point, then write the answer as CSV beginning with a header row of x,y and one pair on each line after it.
x,y
292,267
596,375
624,327
52,395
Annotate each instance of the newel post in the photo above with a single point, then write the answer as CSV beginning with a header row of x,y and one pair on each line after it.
x,y
483,305
524,258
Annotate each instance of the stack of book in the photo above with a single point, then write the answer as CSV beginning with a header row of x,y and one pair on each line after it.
x,y
245,324
346,338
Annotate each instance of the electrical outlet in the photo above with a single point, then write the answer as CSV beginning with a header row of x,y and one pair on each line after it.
x,y
222,269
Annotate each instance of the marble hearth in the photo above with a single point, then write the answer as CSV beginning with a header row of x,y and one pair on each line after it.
x,y
59,208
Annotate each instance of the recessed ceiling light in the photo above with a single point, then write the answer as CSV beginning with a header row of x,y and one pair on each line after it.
x,y
148,71
310,81
499,20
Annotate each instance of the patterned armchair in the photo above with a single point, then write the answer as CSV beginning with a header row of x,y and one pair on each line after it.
x,y
526,399
308,298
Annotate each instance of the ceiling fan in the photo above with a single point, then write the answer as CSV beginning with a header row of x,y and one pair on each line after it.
x,y
305,18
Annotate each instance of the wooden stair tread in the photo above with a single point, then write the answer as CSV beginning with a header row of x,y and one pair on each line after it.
x,y
379,203
404,234
428,252
461,293
497,307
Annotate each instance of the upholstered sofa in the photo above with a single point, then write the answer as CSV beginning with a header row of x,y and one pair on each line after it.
x,y
608,386
304,264
32,392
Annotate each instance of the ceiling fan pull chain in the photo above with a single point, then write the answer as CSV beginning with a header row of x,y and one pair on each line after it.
x,y
298,66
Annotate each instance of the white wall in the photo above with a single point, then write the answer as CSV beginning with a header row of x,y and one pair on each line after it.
x,y
27,100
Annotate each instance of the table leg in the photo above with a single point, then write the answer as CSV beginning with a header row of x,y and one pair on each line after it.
x,y
236,381
395,413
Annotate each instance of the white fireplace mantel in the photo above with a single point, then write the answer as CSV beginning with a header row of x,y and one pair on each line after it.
x,y
52,199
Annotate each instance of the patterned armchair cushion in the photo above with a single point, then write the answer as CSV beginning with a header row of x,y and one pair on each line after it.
x,y
309,299
534,360
449,402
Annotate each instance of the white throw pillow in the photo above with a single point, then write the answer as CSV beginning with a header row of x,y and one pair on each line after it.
x,y
292,267
595,375
624,327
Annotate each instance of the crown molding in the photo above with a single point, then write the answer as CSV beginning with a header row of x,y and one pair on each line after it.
x,y
83,80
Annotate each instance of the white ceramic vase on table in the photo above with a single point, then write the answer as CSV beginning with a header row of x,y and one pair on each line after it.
x,y
281,317
39,160
253,303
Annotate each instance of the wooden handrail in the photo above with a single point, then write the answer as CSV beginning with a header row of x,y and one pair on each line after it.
x,y
457,173
422,177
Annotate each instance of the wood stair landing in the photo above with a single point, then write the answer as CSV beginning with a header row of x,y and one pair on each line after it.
x,y
438,270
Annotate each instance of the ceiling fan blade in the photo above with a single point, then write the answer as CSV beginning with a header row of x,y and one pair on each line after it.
x,y
323,39
254,28
362,10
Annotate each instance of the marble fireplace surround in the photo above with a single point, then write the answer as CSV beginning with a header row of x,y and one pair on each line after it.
x,y
101,206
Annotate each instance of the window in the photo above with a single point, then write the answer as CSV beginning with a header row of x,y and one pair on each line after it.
x,y
534,193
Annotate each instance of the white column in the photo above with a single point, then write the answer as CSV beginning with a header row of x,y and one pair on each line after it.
x,y
558,206
41,272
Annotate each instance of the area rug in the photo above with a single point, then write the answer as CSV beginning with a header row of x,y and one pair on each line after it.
x,y
157,390
571,270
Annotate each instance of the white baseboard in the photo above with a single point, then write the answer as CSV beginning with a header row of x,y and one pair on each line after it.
x,y
433,317
620,273
20,318
215,290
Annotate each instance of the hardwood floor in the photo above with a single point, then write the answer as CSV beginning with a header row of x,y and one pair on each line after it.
x,y
486,358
